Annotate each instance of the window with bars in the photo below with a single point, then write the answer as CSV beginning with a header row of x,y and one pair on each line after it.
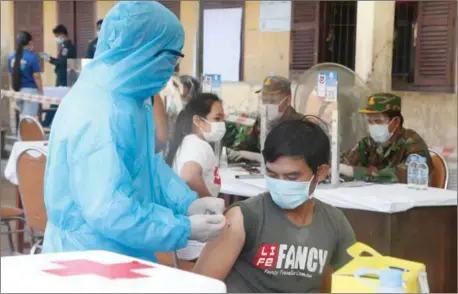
x,y
339,40
424,50
322,32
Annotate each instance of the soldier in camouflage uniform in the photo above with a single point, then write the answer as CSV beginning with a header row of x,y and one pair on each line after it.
x,y
275,90
381,157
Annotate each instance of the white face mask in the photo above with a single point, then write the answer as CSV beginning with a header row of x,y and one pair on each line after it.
x,y
217,131
59,41
270,112
380,133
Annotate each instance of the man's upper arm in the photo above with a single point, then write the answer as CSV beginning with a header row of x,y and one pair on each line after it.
x,y
345,238
219,256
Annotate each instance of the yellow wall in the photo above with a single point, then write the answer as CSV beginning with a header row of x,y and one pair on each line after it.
x,y
264,52
189,16
7,27
103,7
50,47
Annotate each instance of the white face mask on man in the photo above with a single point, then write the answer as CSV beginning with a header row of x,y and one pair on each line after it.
x,y
272,111
380,132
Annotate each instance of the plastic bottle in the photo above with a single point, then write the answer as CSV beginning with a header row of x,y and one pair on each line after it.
x,y
422,174
390,281
223,159
412,172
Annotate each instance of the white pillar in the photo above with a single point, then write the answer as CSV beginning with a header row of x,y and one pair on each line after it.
x,y
374,43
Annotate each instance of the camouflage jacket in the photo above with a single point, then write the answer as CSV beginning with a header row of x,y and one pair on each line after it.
x,y
389,161
247,138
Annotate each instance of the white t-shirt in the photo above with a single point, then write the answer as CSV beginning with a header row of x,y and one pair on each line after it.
x,y
199,151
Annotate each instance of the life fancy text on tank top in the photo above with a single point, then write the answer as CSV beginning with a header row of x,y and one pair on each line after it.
x,y
290,260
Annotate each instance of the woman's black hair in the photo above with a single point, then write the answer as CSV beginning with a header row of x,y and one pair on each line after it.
x,y
192,84
23,39
200,106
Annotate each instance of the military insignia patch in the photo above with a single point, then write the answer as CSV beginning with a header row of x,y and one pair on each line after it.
x,y
371,101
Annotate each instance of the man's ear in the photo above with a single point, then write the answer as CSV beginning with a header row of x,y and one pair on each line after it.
x,y
289,100
395,124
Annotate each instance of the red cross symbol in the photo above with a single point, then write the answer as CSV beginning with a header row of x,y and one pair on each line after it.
x,y
216,177
109,271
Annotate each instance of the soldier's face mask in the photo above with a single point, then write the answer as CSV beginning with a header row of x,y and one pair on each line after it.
x,y
380,132
273,107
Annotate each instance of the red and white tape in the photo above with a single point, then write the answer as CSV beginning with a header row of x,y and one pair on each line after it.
x,y
30,97
446,152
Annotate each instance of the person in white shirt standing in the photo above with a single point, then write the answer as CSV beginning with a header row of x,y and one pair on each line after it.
x,y
191,156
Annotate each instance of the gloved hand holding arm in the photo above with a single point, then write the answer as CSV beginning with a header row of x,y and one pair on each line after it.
x,y
108,203
206,227
205,205
239,155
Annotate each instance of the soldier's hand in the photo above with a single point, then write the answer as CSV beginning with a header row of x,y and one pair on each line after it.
x,y
372,170
346,170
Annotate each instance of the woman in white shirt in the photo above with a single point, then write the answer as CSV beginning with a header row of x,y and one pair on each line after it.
x,y
191,156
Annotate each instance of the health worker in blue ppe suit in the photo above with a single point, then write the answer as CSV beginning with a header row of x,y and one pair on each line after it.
x,y
105,189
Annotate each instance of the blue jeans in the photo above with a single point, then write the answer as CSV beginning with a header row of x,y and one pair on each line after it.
x,y
28,107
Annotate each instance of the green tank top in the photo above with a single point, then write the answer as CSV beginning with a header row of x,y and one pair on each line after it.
x,y
281,257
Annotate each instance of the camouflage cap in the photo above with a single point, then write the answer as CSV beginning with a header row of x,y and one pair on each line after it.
x,y
275,85
381,102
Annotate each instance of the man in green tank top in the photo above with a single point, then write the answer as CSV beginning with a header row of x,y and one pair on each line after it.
x,y
285,240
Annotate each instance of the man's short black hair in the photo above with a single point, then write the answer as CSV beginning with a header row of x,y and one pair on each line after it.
x,y
394,113
99,22
301,138
60,29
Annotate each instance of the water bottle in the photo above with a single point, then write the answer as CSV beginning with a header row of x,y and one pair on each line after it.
x,y
423,174
223,159
412,171
390,281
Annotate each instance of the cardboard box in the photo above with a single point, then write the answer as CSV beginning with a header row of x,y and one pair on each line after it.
x,y
347,279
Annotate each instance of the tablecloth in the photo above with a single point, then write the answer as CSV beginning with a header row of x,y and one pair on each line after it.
x,y
18,147
364,196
